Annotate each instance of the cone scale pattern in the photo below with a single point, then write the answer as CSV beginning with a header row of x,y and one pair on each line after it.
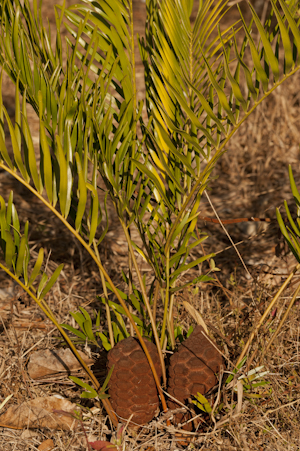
x,y
132,386
192,370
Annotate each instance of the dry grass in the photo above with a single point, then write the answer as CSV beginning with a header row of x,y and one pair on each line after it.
x,y
252,181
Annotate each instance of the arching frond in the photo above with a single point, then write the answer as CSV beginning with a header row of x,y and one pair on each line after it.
x,y
201,84
111,23
15,248
62,170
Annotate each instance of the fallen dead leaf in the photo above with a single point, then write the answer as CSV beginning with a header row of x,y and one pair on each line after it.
x,y
28,434
39,413
47,445
53,362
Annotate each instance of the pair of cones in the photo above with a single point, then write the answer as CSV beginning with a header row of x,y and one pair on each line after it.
x,y
132,391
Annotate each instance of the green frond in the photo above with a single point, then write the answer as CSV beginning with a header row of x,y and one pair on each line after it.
x,y
292,233
109,25
15,248
200,87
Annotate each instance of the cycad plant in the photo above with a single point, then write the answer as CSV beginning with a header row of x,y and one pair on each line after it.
x,y
97,145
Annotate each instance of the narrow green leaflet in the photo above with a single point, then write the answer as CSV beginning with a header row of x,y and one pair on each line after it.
x,y
46,163
286,235
37,267
9,211
89,393
85,313
141,252
16,225
94,212
79,318
190,265
74,331
29,149
202,403
51,281
18,125
256,58
295,242
82,193
42,283
288,52
3,148
21,256
9,249
15,40
105,341
107,379
293,26
291,221
64,199
266,45
294,187
88,330
16,148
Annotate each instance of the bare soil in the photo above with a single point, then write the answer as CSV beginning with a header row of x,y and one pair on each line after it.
x,y
251,181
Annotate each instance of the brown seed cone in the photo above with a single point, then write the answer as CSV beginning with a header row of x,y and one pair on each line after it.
x,y
132,388
192,369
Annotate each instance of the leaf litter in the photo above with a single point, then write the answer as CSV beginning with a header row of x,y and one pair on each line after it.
x,y
43,412
270,422
46,362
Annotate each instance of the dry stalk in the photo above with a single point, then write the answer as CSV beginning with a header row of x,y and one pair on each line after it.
x,y
268,309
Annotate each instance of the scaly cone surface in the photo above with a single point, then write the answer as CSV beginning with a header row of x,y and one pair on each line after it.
x,y
132,387
192,370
